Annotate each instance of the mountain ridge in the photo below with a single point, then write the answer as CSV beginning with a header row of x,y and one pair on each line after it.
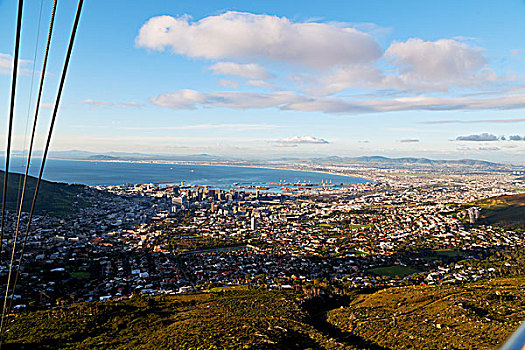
x,y
377,160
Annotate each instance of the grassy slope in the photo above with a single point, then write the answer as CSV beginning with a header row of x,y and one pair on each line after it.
x,y
479,315
53,198
230,320
503,210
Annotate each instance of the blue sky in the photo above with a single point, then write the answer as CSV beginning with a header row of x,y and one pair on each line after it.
x,y
271,78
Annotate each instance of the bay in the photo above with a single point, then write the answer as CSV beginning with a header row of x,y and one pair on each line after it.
x,y
95,173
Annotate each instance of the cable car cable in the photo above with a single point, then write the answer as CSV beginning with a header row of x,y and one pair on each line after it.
x,y
20,191
30,151
11,117
49,135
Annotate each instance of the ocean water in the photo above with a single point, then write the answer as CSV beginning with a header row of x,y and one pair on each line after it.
x,y
118,173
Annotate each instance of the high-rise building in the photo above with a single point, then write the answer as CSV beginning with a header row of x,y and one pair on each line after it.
x,y
473,213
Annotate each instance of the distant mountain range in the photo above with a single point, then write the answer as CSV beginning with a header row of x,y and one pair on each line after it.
x,y
375,161
128,156
378,160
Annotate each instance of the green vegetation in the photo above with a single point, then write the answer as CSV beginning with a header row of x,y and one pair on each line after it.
x,y
328,225
421,317
503,211
449,253
54,198
477,315
80,274
502,201
241,319
180,244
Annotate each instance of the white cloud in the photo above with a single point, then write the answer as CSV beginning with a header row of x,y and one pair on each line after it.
x,y
182,99
516,138
229,84
342,78
481,137
249,71
455,121
240,35
237,127
262,84
6,64
300,140
409,140
323,58
478,149
488,148
285,145
288,100
437,65
109,104
191,99
416,65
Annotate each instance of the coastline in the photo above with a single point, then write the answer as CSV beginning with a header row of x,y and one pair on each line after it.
x,y
188,163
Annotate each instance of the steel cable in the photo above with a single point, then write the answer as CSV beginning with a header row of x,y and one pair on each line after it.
x,y
49,135
28,162
11,117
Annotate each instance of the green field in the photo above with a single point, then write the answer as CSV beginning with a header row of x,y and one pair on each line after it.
x,y
449,253
80,274
359,226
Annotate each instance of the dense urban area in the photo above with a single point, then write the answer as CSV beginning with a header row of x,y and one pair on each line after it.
x,y
406,228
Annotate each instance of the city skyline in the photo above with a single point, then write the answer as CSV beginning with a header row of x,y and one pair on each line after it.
x,y
228,78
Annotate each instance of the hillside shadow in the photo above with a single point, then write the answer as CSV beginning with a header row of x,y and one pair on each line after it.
x,y
317,309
